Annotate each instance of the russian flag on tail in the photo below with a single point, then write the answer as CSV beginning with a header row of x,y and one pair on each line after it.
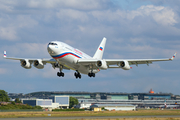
x,y
173,56
101,48
4,53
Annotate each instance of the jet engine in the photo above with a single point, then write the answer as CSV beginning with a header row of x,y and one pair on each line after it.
x,y
26,64
124,65
38,64
102,64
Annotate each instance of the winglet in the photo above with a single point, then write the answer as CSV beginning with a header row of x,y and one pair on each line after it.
x,y
173,56
4,54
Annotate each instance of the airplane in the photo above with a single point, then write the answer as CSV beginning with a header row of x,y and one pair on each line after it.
x,y
69,58
169,106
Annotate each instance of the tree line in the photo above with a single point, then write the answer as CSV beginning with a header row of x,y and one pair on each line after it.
x,y
17,104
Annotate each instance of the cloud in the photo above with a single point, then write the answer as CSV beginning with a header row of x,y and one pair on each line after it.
x,y
3,71
70,15
160,14
10,25
7,8
8,33
26,21
80,4
37,50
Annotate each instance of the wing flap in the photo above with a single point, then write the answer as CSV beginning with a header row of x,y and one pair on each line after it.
x,y
87,61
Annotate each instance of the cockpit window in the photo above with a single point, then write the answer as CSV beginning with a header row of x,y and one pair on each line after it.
x,y
52,44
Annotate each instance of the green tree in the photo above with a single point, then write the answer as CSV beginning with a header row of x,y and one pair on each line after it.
x,y
13,103
4,96
17,100
73,101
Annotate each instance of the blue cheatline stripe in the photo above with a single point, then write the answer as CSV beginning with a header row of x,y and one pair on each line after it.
x,y
65,54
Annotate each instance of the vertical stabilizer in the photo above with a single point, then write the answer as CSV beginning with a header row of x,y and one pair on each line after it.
x,y
99,53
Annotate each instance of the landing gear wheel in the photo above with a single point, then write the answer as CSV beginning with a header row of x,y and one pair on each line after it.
x,y
60,74
91,74
77,75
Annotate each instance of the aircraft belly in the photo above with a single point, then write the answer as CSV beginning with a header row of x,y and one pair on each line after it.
x,y
70,62
86,70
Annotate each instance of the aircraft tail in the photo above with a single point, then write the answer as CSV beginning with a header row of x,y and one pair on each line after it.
x,y
174,56
100,50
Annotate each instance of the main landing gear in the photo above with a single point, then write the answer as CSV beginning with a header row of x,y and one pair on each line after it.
x,y
60,74
77,75
91,74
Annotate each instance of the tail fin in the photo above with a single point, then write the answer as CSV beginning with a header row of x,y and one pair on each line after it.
x,y
100,50
174,56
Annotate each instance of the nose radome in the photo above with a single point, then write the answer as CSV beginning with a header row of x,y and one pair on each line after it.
x,y
50,49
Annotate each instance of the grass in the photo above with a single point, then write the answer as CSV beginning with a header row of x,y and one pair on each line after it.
x,y
89,113
132,119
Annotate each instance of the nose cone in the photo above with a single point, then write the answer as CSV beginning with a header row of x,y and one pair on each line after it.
x,y
50,49
54,48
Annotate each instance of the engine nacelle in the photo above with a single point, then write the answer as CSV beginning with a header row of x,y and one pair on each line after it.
x,y
124,65
102,64
38,64
26,64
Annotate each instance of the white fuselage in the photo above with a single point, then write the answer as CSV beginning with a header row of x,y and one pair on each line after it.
x,y
68,56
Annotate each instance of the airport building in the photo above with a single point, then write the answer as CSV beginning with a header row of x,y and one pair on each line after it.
x,y
86,103
86,99
63,101
53,102
44,103
102,95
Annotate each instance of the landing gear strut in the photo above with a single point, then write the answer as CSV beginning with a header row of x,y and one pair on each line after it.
x,y
91,74
77,75
60,73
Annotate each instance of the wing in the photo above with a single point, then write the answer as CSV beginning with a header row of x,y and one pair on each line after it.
x,y
88,63
137,61
38,63
32,60
120,63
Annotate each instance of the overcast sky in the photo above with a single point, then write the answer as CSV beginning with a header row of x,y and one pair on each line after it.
x,y
133,28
